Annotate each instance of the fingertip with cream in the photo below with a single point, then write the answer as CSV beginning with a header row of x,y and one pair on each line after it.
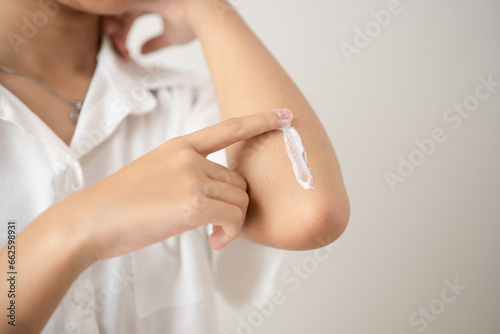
x,y
285,117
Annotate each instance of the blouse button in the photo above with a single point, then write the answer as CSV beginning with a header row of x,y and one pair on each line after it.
x,y
71,327
81,297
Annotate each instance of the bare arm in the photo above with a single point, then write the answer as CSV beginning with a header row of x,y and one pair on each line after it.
x,y
50,254
247,80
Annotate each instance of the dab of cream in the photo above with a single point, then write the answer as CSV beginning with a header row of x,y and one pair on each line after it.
x,y
298,156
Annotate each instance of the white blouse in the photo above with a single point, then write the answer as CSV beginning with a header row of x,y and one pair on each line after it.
x,y
168,287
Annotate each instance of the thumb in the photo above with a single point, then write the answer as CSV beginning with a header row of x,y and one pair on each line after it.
x,y
218,239
155,43
118,29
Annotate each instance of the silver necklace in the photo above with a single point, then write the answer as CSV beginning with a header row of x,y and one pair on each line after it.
x,y
77,105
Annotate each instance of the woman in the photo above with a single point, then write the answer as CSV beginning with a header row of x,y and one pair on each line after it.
x,y
106,175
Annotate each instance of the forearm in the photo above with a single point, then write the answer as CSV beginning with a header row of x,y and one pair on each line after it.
x,y
50,254
247,80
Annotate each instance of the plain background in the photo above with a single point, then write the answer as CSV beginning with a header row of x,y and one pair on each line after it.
x,y
442,223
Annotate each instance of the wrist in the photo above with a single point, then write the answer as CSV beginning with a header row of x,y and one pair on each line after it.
x,y
73,228
201,14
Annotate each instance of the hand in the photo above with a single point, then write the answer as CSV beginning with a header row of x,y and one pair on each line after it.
x,y
174,13
173,189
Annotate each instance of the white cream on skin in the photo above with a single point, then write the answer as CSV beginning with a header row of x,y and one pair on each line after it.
x,y
298,156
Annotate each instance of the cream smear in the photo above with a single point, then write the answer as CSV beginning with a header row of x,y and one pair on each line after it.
x,y
298,156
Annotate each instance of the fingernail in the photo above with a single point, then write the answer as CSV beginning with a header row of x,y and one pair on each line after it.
x,y
285,116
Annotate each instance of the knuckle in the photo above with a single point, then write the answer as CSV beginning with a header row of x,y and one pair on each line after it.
x,y
200,203
181,141
245,199
234,229
224,177
242,199
238,215
243,182
233,125
173,144
192,209
211,189
187,157
269,120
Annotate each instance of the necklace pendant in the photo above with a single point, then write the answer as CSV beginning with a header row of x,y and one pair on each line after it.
x,y
74,114
77,105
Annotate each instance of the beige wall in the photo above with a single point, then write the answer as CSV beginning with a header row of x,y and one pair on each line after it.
x,y
391,270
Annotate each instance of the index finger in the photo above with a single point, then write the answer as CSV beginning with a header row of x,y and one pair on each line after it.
x,y
233,130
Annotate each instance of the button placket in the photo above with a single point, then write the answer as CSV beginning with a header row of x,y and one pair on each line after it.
x,y
68,176
79,303
79,306
73,180
82,298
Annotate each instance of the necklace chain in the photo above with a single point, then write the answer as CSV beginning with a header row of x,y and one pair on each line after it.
x,y
77,105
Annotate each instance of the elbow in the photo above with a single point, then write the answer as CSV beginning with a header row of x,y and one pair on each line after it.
x,y
332,222
319,223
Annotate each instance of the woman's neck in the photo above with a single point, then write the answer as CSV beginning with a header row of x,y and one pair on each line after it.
x,y
48,40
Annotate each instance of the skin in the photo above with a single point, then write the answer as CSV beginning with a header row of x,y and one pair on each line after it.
x,y
258,198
